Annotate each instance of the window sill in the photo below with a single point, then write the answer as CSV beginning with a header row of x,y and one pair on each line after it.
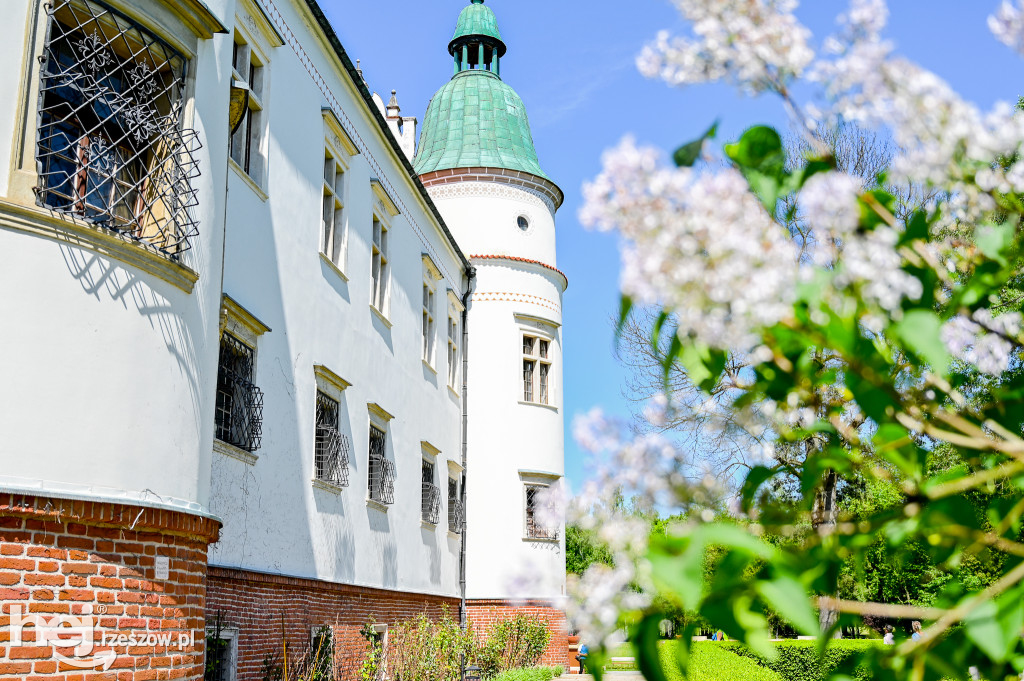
x,y
380,315
380,506
539,404
40,222
327,486
334,267
253,185
429,368
543,540
234,452
454,535
427,525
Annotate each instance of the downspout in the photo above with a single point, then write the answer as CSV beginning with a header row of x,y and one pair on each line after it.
x,y
470,277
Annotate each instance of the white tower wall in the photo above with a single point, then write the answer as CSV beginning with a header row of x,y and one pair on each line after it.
x,y
510,443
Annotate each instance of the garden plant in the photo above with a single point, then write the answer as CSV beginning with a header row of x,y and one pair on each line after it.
x,y
846,333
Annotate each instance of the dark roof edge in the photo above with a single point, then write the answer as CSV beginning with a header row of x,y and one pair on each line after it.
x,y
339,50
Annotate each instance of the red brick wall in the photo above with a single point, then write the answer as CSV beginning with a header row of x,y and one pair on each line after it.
x,y
61,557
483,614
258,604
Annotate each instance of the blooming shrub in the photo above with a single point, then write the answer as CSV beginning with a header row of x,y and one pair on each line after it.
x,y
869,335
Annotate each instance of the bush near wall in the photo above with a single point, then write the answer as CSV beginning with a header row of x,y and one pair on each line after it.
x,y
799,661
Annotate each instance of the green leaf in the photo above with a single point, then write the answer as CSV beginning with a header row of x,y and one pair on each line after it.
x,y
686,155
921,331
995,240
646,643
788,598
693,358
682,575
759,148
625,307
757,476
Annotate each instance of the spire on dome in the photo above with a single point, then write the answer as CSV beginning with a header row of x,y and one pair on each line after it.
x,y
477,44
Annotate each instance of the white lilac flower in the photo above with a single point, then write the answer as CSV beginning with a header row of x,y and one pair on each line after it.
x,y
872,262
699,244
756,44
1007,24
828,203
981,340
598,596
867,85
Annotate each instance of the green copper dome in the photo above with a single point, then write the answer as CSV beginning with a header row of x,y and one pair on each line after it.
x,y
476,20
476,120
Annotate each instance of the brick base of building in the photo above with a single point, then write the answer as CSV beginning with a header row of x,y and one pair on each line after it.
x,y
263,611
95,566
484,614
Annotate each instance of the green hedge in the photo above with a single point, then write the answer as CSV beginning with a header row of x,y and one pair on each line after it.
x,y
529,674
711,661
799,661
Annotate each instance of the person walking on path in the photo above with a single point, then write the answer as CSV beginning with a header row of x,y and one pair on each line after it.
x,y
581,656
916,626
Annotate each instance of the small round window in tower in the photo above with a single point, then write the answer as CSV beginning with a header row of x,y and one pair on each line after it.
x,y
523,222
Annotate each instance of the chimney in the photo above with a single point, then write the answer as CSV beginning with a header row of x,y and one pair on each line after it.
x,y
402,127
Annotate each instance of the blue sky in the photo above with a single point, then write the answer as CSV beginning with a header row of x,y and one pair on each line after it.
x,y
572,63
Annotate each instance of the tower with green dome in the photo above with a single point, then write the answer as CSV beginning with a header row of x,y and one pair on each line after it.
x,y
478,161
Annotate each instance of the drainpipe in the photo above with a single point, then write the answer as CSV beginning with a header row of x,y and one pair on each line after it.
x,y
470,277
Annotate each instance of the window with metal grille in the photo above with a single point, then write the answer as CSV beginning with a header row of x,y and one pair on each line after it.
x,y
331,446
456,509
248,72
535,515
430,501
536,370
112,148
381,478
332,227
379,266
239,408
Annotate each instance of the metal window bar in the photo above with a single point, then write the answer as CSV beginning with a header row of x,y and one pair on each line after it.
x,y
239,407
535,529
332,448
456,509
431,503
381,478
112,149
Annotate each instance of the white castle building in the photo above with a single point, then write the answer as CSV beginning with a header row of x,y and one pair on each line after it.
x,y
267,368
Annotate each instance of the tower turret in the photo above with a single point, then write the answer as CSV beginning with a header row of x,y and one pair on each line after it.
x,y
478,161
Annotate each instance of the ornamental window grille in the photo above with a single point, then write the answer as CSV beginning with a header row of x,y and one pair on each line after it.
x,y
536,370
536,527
456,508
381,479
332,448
430,501
239,408
112,148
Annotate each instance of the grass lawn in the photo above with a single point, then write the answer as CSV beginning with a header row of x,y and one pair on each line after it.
x,y
712,661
